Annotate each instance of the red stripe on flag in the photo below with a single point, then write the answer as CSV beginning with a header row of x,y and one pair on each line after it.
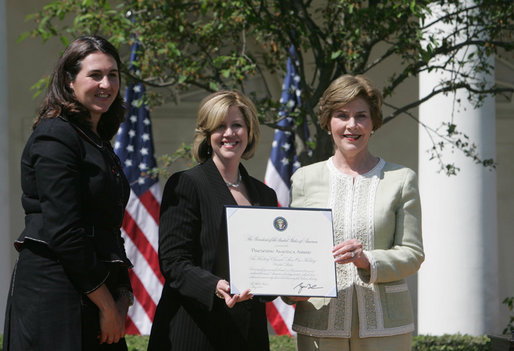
x,y
130,327
276,321
141,242
144,299
151,204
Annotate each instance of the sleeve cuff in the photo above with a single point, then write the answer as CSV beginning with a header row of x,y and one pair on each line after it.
x,y
89,289
369,277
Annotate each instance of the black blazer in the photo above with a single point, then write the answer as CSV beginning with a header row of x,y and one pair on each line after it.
x,y
74,197
192,240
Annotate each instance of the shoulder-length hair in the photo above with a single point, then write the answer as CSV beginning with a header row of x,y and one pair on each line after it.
x,y
345,89
60,98
212,112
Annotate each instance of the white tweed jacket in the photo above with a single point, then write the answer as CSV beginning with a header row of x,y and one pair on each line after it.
x,y
382,209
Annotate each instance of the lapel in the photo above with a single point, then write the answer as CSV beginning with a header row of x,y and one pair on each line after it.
x,y
253,194
216,185
220,190
217,195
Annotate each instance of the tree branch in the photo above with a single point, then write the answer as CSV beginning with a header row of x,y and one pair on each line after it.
x,y
452,87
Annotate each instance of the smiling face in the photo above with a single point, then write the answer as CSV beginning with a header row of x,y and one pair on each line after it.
x,y
351,128
230,138
97,84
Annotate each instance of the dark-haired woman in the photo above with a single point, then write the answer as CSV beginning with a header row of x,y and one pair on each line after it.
x,y
70,288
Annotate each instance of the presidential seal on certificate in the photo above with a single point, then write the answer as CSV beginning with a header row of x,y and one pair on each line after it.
x,y
281,251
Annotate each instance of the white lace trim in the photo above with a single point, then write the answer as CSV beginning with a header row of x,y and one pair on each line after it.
x,y
396,288
387,332
352,200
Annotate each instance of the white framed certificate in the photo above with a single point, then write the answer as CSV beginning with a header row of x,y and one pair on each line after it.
x,y
281,251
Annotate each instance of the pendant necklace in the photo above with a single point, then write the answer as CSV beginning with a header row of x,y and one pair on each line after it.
x,y
236,183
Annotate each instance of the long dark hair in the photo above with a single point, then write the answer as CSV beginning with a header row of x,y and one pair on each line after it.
x,y
60,99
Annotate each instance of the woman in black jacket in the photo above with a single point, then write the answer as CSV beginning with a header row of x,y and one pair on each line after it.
x,y
70,288
196,310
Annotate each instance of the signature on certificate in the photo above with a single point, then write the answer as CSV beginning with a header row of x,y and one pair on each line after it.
x,y
307,286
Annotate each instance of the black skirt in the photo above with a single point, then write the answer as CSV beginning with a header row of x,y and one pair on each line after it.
x,y
45,311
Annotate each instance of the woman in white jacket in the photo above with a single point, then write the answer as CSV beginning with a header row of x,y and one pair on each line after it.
x,y
377,229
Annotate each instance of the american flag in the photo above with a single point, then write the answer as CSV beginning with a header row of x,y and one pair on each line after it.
x,y
134,147
281,165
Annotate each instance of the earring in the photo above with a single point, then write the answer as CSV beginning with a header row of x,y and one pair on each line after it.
x,y
372,133
329,132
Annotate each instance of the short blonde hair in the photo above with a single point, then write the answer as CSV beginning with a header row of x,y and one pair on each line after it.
x,y
343,90
212,112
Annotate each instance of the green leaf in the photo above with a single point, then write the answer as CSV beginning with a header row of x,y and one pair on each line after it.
x,y
182,78
213,86
335,54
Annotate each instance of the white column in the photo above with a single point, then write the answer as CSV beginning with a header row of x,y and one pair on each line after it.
x,y
458,282
5,235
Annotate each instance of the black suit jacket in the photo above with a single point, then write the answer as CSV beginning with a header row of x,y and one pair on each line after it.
x,y
192,240
74,197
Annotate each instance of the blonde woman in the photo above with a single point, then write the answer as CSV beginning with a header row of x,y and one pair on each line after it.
x,y
196,310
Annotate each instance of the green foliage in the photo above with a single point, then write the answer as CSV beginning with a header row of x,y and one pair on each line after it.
x,y
40,85
456,140
215,44
509,329
419,343
282,343
456,342
277,343
165,162
137,342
